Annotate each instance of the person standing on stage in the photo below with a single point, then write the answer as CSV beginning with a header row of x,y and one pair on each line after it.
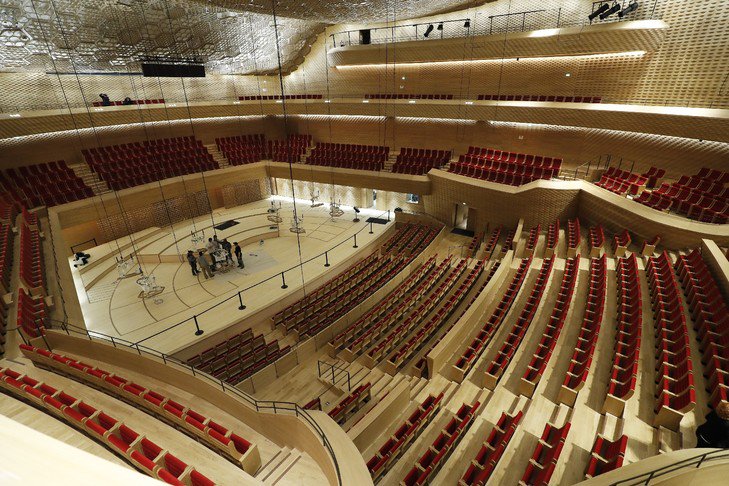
x,y
239,255
193,262
227,247
205,265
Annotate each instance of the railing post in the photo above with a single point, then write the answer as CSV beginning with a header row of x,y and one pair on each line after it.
x,y
388,215
326,258
240,299
355,241
192,368
112,341
139,351
333,380
283,280
198,331
371,232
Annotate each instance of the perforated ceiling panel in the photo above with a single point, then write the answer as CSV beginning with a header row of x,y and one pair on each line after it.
x,y
107,35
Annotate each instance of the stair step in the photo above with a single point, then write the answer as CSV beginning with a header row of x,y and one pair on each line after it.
x,y
270,467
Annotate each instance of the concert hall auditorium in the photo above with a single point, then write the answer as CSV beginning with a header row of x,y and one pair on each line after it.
x,y
359,243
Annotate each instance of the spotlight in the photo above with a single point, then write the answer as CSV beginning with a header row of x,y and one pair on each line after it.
x,y
428,30
440,27
612,10
630,8
467,24
356,215
597,12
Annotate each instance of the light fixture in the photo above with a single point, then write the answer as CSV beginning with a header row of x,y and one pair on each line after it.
x,y
403,78
440,27
468,103
609,12
567,75
602,8
467,24
412,102
327,101
630,8
365,101
428,30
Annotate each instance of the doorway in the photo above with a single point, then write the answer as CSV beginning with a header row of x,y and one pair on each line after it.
x,y
460,216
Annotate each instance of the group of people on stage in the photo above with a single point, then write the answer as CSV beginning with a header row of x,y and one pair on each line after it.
x,y
217,252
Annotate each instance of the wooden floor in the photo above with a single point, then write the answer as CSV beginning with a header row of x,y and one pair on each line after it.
x,y
112,305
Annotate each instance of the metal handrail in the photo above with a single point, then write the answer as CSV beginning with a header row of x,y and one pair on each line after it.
x,y
696,460
259,405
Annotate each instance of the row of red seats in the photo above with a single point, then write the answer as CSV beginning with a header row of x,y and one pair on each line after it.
x,y
354,298
652,176
621,242
371,317
123,178
510,161
240,342
597,240
714,175
144,454
552,238
134,102
131,148
541,98
620,182
363,162
350,148
491,243
413,238
434,323
541,465
31,259
32,314
214,435
674,371
574,237
351,403
44,184
499,177
474,245
606,455
407,96
235,368
415,318
7,238
420,365
480,469
279,97
501,361
587,339
710,312
532,239
399,442
437,454
369,332
548,341
629,321
466,361
338,296
507,156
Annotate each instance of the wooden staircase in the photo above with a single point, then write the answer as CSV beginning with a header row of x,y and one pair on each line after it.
x,y
91,179
217,155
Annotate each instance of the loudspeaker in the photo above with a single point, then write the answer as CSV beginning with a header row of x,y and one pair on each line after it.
x,y
364,36
156,70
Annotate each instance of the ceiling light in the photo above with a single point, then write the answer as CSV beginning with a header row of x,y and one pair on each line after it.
x,y
14,115
403,78
630,8
412,102
612,10
567,75
599,11
468,102
428,30
327,101
365,101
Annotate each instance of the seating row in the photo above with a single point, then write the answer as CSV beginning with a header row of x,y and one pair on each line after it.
x,y
481,468
31,260
515,157
622,181
502,177
674,370
574,237
552,239
548,341
517,163
597,240
541,465
46,184
420,366
32,314
621,242
372,316
541,98
629,322
238,343
437,454
407,96
498,365
410,240
581,360
7,241
279,97
236,367
474,245
214,435
351,403
492,242
419,161
415,318
141,452
425,331
468,358
710,314
606,455
401,439
532,240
